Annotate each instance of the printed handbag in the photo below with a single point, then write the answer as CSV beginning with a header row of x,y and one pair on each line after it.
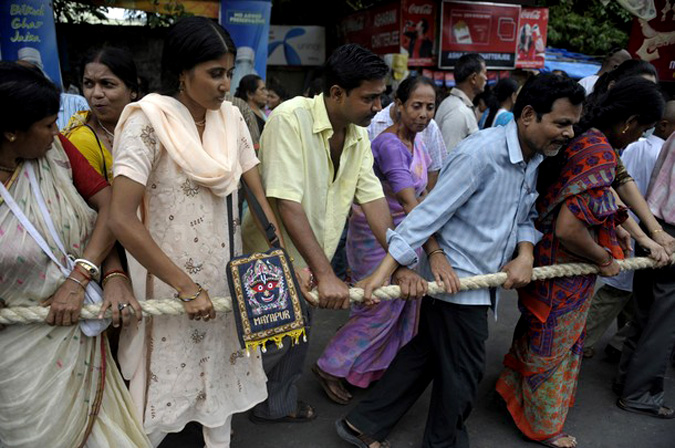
x,y
266,298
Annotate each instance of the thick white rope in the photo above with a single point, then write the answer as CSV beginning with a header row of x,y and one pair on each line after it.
x,y
37,314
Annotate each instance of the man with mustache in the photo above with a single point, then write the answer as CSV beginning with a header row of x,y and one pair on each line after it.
x,y
315,161
481,212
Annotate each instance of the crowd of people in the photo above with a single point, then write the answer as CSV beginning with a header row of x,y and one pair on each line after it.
x,y
122,199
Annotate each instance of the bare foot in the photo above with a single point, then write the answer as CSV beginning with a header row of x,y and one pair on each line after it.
x,y
332,385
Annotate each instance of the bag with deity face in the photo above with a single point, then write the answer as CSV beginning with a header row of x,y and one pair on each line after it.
x,y
266,298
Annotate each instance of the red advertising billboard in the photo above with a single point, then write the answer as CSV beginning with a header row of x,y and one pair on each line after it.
x,y
418,32
654,41
532,38
490,29
376,29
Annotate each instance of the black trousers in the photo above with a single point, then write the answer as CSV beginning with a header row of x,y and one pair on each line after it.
x,y
647,350
449,350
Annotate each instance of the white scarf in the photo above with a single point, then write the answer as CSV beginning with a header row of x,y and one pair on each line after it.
x,y
213,161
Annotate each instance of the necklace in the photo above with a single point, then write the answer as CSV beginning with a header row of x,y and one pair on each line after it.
x,y
110,136
7,169
201,124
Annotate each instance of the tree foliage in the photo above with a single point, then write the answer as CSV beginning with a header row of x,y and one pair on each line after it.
x,y
71,11
67,11
588,26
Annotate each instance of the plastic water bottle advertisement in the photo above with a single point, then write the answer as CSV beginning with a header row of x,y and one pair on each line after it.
x,y
249,25
27,33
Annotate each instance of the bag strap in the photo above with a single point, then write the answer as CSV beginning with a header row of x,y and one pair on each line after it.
x,y
100,148
30,228
230,224
269,230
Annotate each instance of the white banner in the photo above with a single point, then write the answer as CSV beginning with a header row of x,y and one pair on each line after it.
x,y
296,45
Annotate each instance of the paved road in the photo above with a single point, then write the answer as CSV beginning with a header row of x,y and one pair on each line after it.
x,y
594,420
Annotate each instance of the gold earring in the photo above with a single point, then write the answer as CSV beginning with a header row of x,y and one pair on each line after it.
x,y
12,138
181,87
625,129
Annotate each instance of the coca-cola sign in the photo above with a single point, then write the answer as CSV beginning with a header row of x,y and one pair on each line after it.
x,y
423,10
533,14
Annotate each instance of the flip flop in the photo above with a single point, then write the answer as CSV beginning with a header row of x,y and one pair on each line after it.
x,y
359,440
323,380
303,413
550,442
664,412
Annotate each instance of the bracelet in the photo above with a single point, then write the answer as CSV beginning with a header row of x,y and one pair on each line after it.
x,y
656,231
114,271
607,263
80,270
437,251
78,282
88,266
110,275
192,297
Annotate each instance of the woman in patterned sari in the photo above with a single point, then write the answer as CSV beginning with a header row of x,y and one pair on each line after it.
x,y
579,217
58,386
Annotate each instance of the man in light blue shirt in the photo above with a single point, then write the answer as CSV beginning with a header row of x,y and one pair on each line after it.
x,y
482,214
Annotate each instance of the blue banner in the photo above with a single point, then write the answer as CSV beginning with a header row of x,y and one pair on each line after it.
x,y
248,22
27,32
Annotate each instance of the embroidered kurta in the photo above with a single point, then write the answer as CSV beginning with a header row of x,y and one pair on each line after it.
x,y
183,370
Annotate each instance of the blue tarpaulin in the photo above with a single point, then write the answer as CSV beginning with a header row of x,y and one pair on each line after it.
x,y
576,65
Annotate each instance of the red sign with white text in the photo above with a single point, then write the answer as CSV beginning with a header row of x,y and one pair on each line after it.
x,y
376,29
418,32
532,38
654,41
490,29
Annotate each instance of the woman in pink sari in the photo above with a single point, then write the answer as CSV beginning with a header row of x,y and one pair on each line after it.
x,y
364,347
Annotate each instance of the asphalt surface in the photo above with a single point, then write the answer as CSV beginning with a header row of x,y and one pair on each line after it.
x,y
594,420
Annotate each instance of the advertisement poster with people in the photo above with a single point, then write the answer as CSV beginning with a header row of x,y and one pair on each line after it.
x,y
27,32
654,40
532,38
490,29
418,35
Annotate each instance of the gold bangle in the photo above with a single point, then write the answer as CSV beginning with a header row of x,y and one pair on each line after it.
x,y
435,252
192,297
656,231
78,282
114,274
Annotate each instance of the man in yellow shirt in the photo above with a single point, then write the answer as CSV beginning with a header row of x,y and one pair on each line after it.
x,y
315,161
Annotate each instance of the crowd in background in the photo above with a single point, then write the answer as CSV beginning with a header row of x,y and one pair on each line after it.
x,y
119,196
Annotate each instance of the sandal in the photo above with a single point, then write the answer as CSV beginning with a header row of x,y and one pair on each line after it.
x,y
325,379
361,440
663,412
550,442
303,413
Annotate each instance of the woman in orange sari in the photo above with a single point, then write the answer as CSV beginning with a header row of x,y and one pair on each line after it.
x,y
580,219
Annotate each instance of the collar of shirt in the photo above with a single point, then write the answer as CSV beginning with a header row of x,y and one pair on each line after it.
x,y
513,145
655,140
384,116
462,96
322,124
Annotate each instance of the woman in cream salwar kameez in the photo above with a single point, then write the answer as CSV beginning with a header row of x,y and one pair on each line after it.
x,y
178,157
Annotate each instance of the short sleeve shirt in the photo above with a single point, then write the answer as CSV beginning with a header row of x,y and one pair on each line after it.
x,y
295,165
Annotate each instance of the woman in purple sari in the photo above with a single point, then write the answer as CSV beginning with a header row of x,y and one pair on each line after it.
x,y
362,349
